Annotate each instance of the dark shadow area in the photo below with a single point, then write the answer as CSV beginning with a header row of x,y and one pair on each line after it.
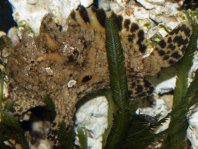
x,y
6,19
190,4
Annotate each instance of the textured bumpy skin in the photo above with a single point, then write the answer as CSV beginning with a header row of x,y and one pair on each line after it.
x,y
79,55
166,52
139,87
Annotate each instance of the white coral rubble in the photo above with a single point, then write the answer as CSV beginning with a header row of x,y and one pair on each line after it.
x,y
92,116
31,12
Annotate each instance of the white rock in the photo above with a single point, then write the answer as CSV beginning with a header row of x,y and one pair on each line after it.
x,y
5,82
158,109
166,85
71,83
156,1
86,3
44,144
37,126
31,12
92,116
146,4
116,5
49,71
151,4
32,2
194,67
2,33
13,35
61,9
192,131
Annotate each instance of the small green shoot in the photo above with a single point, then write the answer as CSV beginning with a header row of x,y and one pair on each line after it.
x,y
82,136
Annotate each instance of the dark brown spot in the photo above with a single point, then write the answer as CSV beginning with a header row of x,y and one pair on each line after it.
x,y
76,53
141,35
185,41
73,15
127,23
133,84
130,92
134,27
86,78
186,30
169,39
175,31
60,28
118,20
53,124
171,62
171,46
142,48
183,27
147,84
165,57
162,44
94,9
84,14
176,55
150,91
71,58
54,132
161,52
139,42
139,89
130,38
101,16
179,40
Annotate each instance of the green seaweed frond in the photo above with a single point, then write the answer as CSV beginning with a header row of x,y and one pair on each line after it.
x,y
65,137
10,129
118,79
9,106
185,63
118,84
176,133
192,93
82,136
50,106
110,118
127,130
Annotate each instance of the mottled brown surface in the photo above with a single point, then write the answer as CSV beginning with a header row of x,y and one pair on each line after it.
x,y
73,55
47,63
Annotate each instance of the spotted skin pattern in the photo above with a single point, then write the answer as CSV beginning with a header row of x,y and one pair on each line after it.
x,y
139,87
172,48
167,51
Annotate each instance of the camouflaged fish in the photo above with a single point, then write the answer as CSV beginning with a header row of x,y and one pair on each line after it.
x,y
165,52
79,56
